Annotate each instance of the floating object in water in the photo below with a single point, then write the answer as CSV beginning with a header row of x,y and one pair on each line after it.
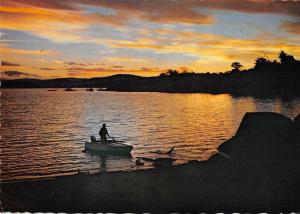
x,y
159,162
90,89
167,153
70,89
170,151
139,162
108,146
147,159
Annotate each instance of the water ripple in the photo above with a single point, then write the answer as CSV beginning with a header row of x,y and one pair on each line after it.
x,y
43,133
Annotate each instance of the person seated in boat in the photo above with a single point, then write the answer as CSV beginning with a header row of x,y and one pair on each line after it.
x,y
103,132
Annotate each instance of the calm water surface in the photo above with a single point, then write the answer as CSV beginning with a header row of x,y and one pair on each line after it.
x,y
43,132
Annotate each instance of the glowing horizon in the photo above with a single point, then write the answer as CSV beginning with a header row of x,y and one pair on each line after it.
x,y
87,38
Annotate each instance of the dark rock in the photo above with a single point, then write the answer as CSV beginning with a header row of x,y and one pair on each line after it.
x,y
262,136
195,162
264,123
297,122
218,158
139,162
264,157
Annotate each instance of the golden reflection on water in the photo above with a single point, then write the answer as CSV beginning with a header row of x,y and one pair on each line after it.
x,y
43,132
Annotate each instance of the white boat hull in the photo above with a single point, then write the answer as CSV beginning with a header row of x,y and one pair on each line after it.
x,y
108,147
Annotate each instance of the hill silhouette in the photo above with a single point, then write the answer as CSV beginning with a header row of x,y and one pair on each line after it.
x,y
265,78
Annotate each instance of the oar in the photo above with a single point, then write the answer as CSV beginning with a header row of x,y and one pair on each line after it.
x,y
111,137
117,141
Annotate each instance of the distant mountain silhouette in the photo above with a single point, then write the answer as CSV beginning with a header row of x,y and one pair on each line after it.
x,y
265,78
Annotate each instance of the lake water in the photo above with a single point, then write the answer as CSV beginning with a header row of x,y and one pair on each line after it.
x,y
43,132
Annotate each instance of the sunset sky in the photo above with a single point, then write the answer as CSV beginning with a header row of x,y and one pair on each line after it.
x,y
89,38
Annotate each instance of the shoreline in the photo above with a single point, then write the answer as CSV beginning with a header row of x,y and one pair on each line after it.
x,y
256,95
259,81
87,172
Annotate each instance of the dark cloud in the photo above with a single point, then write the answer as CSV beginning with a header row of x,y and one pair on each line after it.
x,y
82,64
86,69
17,75
292,27
75,71
155,11
117,66
146,69
166,11
186,11
48,69
99,69
5,63
76,64
251,6
49,4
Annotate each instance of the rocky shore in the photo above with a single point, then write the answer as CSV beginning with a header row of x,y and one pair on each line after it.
x,y
255,171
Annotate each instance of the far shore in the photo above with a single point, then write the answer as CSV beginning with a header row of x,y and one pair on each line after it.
x,y
268,96
266,78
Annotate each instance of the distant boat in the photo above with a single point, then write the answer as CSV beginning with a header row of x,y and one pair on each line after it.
x,y
109,147
69,89
90,89
101,89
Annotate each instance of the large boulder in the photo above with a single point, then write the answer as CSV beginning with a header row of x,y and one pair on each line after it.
x,y
297,122
264,124
263,136
263,160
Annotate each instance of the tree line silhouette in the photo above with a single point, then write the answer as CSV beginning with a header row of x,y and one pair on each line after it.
x,y
265,78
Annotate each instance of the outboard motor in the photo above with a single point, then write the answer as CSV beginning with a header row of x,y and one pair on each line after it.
x,y
93,139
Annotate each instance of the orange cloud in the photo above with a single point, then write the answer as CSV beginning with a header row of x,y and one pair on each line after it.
x,y
156,11
5,63
216,49
80,71
8,50
66,19
48,4
172,10
56,25
182,9
195,42
17,75
48,69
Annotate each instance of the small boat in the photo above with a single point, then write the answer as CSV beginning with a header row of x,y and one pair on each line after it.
x,y
109,146
70,89
90,89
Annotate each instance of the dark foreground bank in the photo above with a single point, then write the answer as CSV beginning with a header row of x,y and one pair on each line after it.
x,y
257,170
